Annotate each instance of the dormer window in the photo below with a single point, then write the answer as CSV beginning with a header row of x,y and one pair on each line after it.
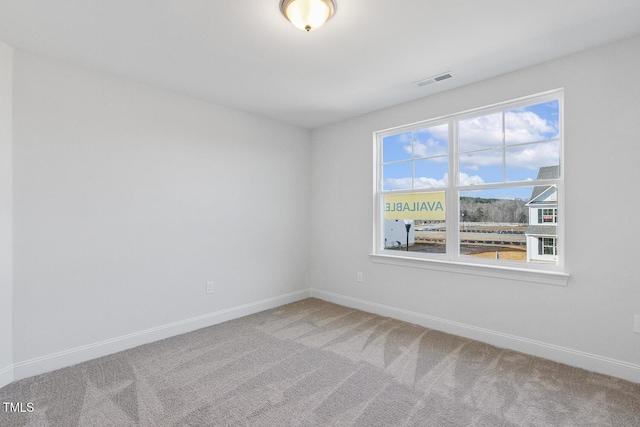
x,y
547,216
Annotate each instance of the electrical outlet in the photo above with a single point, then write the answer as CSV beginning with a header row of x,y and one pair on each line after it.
x,y
359,277
636,323
209,287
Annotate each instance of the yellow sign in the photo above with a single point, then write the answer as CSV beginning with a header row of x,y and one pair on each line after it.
x,y
425,206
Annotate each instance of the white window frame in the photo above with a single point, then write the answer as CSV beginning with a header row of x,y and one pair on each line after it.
x,y
452,261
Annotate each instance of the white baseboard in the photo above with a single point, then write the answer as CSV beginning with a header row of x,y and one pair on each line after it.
x,y
6,375
80,354
590,362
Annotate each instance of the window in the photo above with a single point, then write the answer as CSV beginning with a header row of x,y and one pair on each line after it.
x,y
547,246
547,215
480,187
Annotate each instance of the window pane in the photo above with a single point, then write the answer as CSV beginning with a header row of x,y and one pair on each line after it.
x,y
549,246
524,162
396,147
481,167
429,142
494,223
537,122
480,132
397,176
417,219
431,173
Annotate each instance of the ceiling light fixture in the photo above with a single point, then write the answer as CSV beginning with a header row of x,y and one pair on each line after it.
x,y
308,15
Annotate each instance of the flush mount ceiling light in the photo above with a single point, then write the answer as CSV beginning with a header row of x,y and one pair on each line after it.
x,y
308,15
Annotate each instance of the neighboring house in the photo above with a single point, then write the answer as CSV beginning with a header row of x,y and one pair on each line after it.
x,y
542,235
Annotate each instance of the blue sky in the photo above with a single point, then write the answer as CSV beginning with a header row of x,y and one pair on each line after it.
x,y
529,144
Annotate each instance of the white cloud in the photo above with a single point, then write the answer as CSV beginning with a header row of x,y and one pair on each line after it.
x,y
526,126
405,137
397,183
480,132
427,142
520,126
419,149
420,182
534,156
424,182
431,147
470,179
474,161
528,157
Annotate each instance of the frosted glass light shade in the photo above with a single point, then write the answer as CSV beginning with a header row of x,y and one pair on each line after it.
x,y
308,15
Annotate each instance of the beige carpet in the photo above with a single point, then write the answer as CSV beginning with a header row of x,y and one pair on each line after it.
x,y
313,363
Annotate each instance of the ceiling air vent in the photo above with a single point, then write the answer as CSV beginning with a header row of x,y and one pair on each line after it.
x,y
434,79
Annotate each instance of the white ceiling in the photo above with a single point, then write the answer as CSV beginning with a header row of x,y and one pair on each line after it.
x,y
245,55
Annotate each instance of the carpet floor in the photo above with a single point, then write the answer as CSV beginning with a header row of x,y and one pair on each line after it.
x,y
314,363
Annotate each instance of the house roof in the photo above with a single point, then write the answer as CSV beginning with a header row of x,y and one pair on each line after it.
x,y
545,172
549,172
542,230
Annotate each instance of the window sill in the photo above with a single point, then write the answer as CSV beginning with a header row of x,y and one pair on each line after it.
x,y
556,278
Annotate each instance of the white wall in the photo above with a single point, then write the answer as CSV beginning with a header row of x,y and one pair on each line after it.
x,y
587,323
6,267
127,199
